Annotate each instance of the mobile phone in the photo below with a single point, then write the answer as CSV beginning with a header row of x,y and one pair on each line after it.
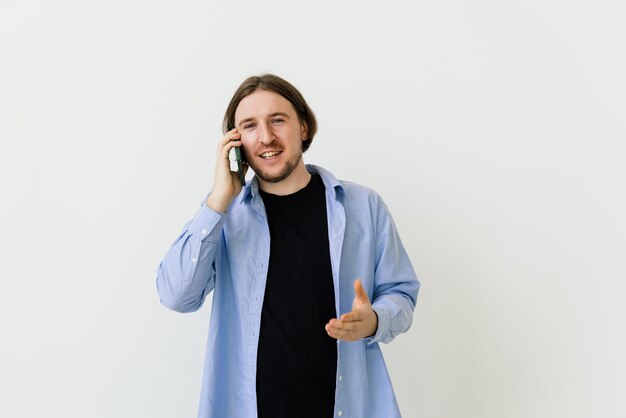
x,y
240,160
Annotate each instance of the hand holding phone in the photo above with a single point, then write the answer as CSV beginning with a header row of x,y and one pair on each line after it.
x,y
226,183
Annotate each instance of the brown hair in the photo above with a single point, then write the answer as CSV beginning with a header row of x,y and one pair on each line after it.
x,y
271,82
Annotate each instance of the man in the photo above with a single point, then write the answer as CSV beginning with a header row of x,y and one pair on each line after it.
x,y
308,274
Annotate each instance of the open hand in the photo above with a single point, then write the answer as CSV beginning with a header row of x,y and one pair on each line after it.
x,y
361,322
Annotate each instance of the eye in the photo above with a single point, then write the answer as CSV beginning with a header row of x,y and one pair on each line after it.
x,y
248,125
277,120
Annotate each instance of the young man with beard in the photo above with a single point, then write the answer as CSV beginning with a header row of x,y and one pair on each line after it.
x,y
308,274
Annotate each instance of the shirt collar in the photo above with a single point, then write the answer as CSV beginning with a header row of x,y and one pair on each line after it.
x,y
251,189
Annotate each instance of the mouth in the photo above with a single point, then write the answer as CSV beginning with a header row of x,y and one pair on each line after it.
x,y
269,154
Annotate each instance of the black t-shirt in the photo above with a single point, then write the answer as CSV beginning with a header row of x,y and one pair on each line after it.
x,y
297,360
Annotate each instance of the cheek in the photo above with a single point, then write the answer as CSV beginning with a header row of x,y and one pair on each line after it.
x,y
247,137
247,143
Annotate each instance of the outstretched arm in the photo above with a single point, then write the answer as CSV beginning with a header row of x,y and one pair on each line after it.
x,y
389,310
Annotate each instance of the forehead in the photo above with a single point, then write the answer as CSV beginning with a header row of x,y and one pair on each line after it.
x,y
262,103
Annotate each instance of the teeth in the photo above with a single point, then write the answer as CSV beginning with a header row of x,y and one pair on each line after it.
x,y
269,154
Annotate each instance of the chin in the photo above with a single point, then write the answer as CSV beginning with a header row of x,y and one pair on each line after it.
x,y
276,176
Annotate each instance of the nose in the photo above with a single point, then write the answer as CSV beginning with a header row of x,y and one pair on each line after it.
x,y
266,135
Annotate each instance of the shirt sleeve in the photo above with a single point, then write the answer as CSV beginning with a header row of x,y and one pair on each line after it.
x,y
395,284
187,272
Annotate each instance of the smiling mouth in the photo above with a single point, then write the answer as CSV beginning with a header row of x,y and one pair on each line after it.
x,y
270,154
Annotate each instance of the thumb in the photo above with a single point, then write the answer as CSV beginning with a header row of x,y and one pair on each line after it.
x,y
359,293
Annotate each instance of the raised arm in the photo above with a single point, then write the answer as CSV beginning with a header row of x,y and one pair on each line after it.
x,y
187,273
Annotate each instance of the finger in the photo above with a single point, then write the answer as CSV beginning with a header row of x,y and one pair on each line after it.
x,y
345,335
355,315
359,292
341,326
225,149
336,333
331,331
229,136
332,334
232,132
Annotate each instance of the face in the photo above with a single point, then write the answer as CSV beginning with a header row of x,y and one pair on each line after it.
x,y
271,135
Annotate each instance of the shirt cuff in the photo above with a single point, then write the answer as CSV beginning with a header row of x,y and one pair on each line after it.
x,y
207,224
384,320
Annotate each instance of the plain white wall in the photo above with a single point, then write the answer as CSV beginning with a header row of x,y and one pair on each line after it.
x,y
494,130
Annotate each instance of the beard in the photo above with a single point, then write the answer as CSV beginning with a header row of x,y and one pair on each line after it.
x,y
282,174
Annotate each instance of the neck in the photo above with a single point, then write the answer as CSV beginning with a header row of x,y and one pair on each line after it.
x,y
297,180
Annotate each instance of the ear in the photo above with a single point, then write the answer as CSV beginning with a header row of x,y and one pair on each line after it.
x,y
304,131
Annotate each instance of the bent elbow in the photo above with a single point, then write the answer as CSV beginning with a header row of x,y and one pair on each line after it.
x,y
179,305
173,297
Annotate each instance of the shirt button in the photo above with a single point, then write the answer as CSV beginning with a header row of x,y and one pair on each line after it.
x,y
340,378
340,412
204,231
194,259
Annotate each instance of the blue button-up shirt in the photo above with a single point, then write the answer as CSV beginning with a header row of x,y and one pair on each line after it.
x,y
229,255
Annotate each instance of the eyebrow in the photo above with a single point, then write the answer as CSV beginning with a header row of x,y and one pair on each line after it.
x,y
271,115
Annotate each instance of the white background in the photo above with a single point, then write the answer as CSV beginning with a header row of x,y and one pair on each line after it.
x,y
494,130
